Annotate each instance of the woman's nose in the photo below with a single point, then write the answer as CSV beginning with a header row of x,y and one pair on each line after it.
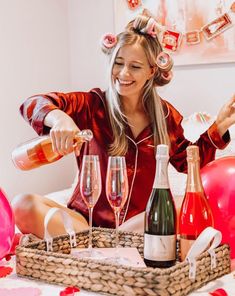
x,y
125,70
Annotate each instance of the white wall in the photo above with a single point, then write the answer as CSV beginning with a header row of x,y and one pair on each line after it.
x,y
54,45
88,21
201,87
34,58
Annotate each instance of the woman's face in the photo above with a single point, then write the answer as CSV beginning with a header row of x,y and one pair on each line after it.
x,y
131,70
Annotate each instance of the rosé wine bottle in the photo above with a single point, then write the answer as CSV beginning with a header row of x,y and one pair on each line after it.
x,y
195,214
38,151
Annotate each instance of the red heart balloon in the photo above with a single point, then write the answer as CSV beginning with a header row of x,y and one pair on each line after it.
x,y
7,225
218,178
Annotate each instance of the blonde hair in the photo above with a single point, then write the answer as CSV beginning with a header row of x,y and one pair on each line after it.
x,y
135,33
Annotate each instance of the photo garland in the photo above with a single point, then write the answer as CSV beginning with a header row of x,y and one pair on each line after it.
x,y
171,39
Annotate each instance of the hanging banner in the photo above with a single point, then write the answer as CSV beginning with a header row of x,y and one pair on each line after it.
x,y
195,32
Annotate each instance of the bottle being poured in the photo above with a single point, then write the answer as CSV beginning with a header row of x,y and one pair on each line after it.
x,y
39,151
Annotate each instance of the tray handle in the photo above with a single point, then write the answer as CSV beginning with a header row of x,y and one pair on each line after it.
x,y
68,225
208,236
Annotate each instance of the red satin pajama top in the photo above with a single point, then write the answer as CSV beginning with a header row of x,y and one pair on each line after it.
x,y
89,110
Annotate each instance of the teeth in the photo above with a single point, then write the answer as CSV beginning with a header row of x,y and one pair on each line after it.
x,y
125,82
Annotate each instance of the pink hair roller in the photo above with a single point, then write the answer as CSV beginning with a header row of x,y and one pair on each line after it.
x,y
109,40
164,61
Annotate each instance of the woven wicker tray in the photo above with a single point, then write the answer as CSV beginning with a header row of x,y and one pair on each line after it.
x,y
59,267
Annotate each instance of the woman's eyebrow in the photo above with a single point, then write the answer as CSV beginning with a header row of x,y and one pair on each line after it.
x,y
138,62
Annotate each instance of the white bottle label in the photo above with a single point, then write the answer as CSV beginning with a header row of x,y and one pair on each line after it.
x,y
159,247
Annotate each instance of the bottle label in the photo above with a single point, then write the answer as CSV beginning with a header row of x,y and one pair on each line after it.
x,y
185,245
159,247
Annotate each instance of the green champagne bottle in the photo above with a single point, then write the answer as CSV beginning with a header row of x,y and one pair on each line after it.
x,y
160,217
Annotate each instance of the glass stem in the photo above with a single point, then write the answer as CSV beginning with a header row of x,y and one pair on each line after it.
x,y
117,214
90,209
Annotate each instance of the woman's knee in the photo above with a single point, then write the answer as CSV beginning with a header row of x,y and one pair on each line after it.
x,y
24,206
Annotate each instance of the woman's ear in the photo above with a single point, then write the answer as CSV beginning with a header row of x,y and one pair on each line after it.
x,y
152,72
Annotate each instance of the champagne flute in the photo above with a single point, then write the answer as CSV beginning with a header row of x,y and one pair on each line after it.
x,y
116,189
90,189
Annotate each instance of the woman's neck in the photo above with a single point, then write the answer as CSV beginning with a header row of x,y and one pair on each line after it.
x,y
136,115
131,106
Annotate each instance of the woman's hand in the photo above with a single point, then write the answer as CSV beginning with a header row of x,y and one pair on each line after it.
x,y
226,116
63,132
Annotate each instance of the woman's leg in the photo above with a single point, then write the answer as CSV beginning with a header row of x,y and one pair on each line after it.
x,y
135,223
31,209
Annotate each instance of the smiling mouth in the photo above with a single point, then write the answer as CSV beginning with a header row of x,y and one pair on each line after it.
x,y
125,82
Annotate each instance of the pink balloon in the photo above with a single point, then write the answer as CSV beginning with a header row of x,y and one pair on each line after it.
x,y
218,178
7,225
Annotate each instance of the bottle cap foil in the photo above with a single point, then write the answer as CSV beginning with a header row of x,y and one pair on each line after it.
x,y
192,152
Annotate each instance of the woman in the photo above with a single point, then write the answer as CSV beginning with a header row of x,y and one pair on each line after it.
x,y
128,119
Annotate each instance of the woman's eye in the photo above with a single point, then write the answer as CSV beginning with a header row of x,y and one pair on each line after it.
x,y
118,63
136,67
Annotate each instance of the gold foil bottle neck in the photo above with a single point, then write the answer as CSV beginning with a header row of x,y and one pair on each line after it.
x,y
192,153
